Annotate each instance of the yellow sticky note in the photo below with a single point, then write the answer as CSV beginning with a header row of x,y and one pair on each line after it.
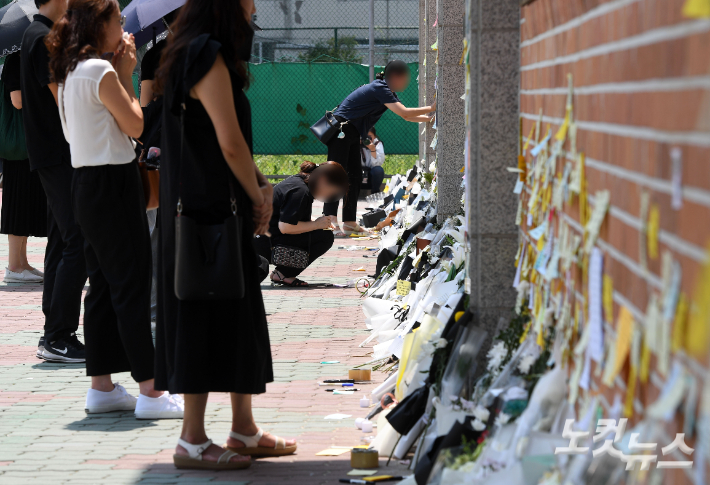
x,y
624,333
630,393
697,9
403,287
562,132
697,336
681,316
645,362
582,192
527,142
608,298
654,221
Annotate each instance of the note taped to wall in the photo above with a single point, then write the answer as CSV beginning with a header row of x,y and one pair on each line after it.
x,y
654,221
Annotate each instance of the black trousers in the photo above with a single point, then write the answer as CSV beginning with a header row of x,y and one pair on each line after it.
x,y
346,151
110,209
320,242
64,263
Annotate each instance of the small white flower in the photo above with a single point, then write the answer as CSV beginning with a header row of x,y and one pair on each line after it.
x,y
440,343
526,363
467,405
481,413
502,419
478,425
496,355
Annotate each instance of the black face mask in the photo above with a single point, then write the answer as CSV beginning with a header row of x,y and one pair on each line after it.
x,y
244,51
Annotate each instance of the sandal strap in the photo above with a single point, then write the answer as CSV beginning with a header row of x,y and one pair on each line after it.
x,y
228,454
280,443
194,451
249,441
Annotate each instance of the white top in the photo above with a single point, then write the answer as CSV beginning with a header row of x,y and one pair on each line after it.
x,y
378,160
91,130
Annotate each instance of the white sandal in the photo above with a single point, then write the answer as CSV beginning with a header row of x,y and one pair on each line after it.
x,y
252,448
194,461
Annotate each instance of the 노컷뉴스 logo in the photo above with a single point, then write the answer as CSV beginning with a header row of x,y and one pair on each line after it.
x,y
607,426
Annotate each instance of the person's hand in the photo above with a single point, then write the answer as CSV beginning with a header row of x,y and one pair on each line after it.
x,y
125,59
263,211
433,107
323,222
372,147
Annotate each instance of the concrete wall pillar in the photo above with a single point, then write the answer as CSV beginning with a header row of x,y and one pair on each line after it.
x,y
493,30
450,107
422,78
429,72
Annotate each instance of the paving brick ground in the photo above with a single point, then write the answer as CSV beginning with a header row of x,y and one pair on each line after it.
x,y
46,437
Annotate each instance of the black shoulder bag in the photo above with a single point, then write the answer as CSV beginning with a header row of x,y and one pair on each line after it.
x,y
208,259
326,127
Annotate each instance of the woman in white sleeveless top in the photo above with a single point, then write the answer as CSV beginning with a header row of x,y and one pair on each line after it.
x,y
100,112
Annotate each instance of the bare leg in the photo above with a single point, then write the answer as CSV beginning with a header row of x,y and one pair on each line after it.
x,y
193,429
25,263
16,259
105,384
147,388
243,423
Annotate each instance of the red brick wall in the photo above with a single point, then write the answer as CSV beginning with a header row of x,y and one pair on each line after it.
x,y
641,74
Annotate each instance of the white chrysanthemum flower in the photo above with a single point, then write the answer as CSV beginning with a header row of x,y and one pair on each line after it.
x,y
502,419
481,413
496,355
478,425
526,363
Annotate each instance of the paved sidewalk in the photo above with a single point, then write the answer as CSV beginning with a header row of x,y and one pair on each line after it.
x,y
46,437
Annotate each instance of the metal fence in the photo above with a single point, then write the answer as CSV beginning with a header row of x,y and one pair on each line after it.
x,y
326,44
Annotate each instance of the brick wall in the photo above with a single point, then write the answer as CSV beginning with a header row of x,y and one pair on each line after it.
x,y
641,77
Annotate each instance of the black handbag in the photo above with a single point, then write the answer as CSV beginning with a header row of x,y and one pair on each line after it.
x,y
208,258
372,218
326,127
290,256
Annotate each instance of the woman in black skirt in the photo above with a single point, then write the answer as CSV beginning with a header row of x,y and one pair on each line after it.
x,y
24,205
291,223
205,346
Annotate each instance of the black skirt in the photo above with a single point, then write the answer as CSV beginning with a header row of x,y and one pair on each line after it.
x,y
24,205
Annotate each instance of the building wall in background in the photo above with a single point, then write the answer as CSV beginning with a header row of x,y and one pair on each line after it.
x,y
641,77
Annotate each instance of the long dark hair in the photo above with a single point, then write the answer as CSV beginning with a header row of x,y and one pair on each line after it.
x,y
222,19
78,35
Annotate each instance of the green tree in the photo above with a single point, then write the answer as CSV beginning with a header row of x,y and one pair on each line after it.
x,y
345,51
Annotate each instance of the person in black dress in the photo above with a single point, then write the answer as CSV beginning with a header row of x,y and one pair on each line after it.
x,y
291,223
24,205
359,112
215,345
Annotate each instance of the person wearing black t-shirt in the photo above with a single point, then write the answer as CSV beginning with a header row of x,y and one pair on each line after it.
x,y
291,223
48,150
358,113
24,205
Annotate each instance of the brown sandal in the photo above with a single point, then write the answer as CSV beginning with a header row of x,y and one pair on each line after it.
x,y
252,448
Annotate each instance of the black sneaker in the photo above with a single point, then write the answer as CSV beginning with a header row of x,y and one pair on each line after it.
x,y
68,349
40,348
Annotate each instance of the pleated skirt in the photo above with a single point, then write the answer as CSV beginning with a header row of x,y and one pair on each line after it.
x,y
24,205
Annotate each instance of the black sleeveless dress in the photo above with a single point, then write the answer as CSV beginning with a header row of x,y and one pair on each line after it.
x,y
205,346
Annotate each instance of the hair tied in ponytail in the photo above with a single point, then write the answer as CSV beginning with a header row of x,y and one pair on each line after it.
x,y
380,75
307,167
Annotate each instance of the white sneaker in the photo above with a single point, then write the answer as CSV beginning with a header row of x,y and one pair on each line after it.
x,y
106,402
167,406
25,277
37,272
